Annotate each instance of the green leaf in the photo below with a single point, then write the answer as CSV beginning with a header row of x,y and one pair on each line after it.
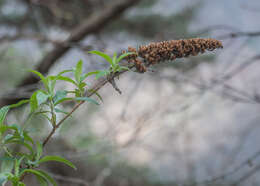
x,y
19,141
7,164
48,177
41,97
114,59
77,99
102,73
3,129
62,100
64,71
41,77
37,99
42,181
54,79
41,174
27,137
60,94
58,159
3,112
64,78
86,99
82,86
17,166
39,151
97,94
33,102
123,56
21,183
88,74
4,177
19,103
78,71
60,111
123,68
51,82
103,55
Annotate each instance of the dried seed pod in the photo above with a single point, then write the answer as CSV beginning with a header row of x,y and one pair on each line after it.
x,y
154,53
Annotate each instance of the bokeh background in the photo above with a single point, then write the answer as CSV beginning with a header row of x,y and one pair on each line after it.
x,y
192,121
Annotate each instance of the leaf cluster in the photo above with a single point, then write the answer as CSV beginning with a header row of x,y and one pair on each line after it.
x,y
47,103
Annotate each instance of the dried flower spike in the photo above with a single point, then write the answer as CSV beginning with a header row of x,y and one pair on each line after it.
x,y
154,53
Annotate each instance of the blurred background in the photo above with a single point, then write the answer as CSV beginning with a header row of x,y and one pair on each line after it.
x,y
192,121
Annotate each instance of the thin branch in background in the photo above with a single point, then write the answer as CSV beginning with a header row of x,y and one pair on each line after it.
x,y
43,39
247,163
247,175
239,34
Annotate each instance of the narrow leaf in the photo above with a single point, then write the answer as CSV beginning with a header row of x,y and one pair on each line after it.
x,y
123,56
103,55
64,71
42,181
60,111
64,78
39,151
41,97
62,100
41,174
101,74
78,71
48,177
33,102
58,159
7,164
41,77
97,94
88,74
3,112
60,94
19,103
4,178
86,99
114,59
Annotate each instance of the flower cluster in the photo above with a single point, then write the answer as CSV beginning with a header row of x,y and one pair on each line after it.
x,y
154,53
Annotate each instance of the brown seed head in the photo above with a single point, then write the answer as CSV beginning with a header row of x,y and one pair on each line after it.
x,y
154,53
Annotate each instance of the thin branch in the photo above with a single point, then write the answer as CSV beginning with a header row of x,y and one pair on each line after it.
x,y
247,162
240,34
43,39
247,175
100,83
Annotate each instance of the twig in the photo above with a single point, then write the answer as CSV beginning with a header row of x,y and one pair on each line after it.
x,y
113,83
232,172
247,175
240,34
100,83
